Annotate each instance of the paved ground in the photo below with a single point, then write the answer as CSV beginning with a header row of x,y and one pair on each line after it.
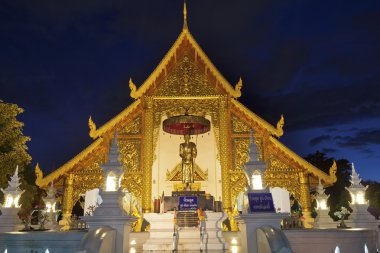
x,y
233,249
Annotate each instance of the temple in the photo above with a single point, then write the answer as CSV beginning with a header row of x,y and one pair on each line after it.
x,y
186,82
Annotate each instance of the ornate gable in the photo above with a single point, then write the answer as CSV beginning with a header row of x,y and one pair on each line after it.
x,y
186,79
185,55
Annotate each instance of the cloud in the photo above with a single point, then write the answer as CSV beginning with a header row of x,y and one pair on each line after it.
x,y
367,151
329,150
319,139
361,139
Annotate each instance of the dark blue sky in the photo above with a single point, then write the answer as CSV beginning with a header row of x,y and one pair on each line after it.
x,y
318,62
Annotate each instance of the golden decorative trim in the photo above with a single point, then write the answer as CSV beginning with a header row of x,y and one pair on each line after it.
x,y
114,121
196,186
42,182
130,150
176,173
68,198
133,182
332,171
184,16
92,127
305,198
147,153
133,88
185,79
278,132
238,182
328,180
239,126
280,174
88,178
225,155
132,128
39,173
186,35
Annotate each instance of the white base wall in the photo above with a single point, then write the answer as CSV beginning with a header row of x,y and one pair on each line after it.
x,y
326,240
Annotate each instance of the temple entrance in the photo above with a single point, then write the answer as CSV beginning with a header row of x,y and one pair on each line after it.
x,y
167,171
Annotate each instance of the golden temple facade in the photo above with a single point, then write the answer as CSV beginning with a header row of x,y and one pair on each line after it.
x,y
185,81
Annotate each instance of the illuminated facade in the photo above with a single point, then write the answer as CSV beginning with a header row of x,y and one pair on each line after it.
x,y
185,81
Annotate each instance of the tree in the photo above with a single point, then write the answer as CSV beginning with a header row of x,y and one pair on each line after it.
x,y
32,195
13,149
339,196
373,195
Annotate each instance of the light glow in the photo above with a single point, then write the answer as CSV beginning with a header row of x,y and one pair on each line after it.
x,y
352,199
16,200
337,250
257,182
234,241
133,242
8,201
47,251
111,183
234,249
48,207
366,248
360,198
132,250
322,204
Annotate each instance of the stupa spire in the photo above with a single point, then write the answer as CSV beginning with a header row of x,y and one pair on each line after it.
x,y
184,16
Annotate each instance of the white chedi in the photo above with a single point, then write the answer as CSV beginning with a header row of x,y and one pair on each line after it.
x,y
13,192
51,211
356,189
359,217
9,220
254,169
323,220
110,212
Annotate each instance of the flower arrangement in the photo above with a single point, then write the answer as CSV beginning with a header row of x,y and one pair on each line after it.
x,y
43,219
341,215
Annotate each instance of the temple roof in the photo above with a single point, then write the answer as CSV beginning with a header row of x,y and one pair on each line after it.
x,y
185,39
185,35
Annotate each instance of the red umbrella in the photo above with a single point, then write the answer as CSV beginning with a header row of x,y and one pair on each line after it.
x,y
186,125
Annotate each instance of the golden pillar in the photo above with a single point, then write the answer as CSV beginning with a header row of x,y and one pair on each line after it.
x,y
68,201
225,159
305,199
147,154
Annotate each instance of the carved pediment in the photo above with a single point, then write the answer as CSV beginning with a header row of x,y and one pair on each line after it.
x,y
176,173
185,79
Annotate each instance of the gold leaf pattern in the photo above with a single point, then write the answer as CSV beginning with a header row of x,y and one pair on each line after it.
x,y
185,79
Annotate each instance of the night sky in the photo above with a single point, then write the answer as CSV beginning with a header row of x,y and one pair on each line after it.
x,y
317,62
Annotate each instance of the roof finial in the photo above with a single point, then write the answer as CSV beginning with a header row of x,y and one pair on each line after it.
x,y
184,15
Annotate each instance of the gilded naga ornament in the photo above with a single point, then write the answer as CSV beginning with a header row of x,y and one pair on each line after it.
x,y
92,127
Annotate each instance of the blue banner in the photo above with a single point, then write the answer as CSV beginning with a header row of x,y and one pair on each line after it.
x,y
261,202
187,203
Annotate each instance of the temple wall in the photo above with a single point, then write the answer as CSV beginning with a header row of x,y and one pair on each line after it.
x,y
167,157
